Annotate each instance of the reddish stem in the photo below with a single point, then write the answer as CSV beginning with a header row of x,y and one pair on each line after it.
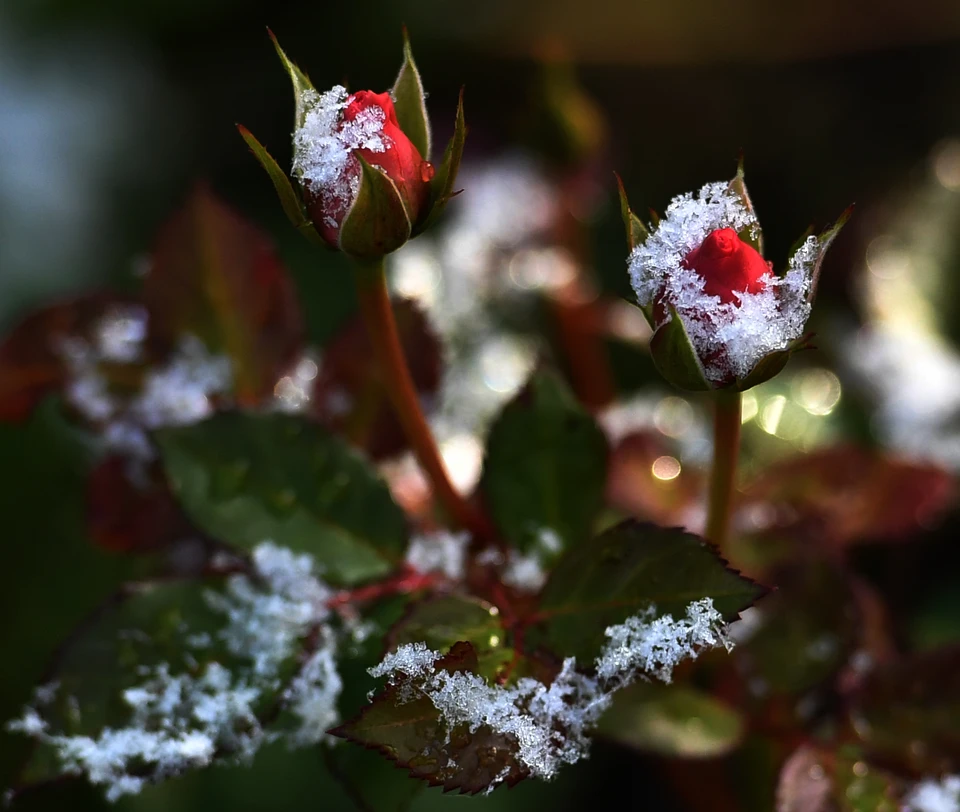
x,y
406,581
382,331
726,449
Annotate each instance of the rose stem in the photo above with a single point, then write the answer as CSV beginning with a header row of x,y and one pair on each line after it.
x,y
726,448
382,331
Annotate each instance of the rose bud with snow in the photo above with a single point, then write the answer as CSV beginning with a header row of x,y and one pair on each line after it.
x,y
721,316
362,163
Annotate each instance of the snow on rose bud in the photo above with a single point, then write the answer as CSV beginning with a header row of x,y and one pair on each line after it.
x,y
721,317
361,161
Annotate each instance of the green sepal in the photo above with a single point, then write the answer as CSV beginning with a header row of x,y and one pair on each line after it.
x,y
676,358
377,222
301,83
824,240
772,364
289,199
637,234
753,235
441,185
409,100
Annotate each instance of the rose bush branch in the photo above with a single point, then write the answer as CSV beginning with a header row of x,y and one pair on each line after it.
x,y
366,186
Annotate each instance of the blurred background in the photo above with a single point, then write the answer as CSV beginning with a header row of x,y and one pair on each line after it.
x,y
109,111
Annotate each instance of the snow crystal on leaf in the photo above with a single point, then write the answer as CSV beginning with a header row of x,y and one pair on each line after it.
x,y
730,338
552,723
654,645
323,148
935,796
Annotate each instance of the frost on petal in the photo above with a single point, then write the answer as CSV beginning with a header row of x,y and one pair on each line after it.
x,y
441,551
182,719
551,724
323,148
730,338
935,796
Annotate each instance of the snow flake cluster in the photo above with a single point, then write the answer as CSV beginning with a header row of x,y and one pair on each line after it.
x,y
439,551
177,393
551,724
935,796
730,338
323,148
191,718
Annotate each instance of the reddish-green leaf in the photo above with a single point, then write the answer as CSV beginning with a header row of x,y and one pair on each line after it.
x,y
845,495
217,277
410,102
413,735
626,570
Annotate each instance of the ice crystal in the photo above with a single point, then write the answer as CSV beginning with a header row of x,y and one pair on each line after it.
x,y
654,645
440,551
178,721
730,338
323,148
935,796
551,724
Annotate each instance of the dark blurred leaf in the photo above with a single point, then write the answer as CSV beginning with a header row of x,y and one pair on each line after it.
x,y
847,494
444,620
545,467
245,479
216,276
909,712
128,516
372,782
807,631
626,570
633,488
349,394
672,720
31,356
820,780
413,735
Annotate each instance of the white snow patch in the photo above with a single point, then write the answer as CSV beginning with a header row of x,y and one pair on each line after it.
x,y
932,795
439,551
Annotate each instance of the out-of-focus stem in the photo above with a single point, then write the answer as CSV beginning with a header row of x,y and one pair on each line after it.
x,y
382,331
726,449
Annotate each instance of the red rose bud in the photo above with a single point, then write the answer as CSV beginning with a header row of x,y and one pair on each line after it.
x,y
728,265
337,131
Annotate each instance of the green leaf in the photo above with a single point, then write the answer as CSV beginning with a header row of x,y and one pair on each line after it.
x,y
409,100
445,620
246,479
413,735
289,199
626,570
377,222
672,720
909,712
144,626
373,783
754,235
675,357
301,83
545,467
441,185
216,276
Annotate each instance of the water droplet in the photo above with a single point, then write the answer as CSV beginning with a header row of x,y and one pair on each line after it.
x,y
860,769
427,171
